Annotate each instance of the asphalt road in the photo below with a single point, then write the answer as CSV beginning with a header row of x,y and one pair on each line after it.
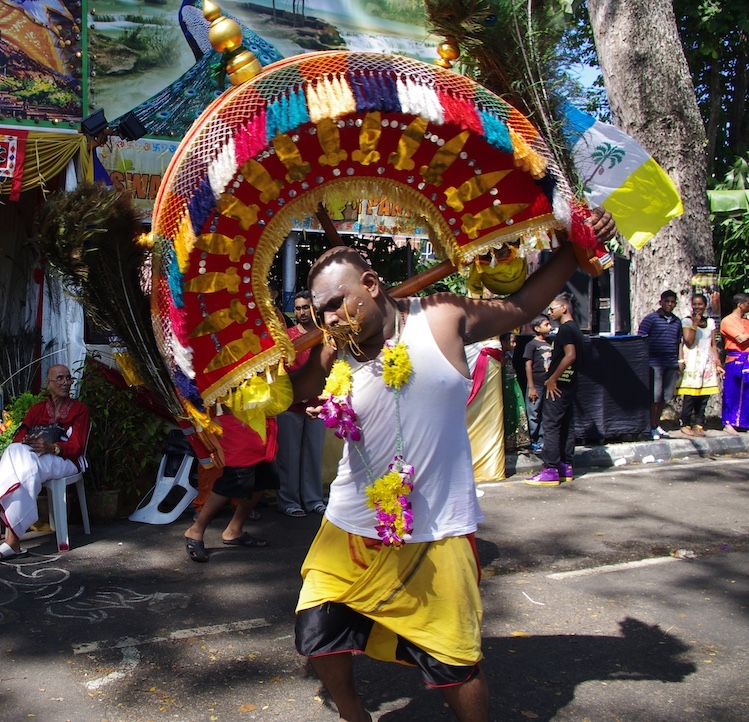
x,y
621,596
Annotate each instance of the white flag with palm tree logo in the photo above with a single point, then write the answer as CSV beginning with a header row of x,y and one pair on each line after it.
x,y
618,174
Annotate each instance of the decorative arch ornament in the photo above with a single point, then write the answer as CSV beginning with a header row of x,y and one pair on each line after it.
x,y
322,126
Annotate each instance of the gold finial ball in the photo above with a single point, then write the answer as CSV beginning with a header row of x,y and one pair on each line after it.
x,y
244,66
210,10
225,34
145,240
448,51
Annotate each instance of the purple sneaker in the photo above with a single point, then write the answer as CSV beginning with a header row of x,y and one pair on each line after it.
x,y
545,477
565,472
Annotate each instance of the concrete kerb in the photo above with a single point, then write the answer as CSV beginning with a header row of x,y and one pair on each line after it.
x,y
716,443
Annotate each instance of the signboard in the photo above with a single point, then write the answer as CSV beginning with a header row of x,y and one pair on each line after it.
x,y
137,165
41,62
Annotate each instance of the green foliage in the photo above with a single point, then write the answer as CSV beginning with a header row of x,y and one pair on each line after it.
x,y
154,45
39,91
731,234
514,48
407,11
715,36
577,49
13,416
455,283
126,438
146,20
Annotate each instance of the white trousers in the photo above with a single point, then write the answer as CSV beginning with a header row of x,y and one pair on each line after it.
x,y
22,474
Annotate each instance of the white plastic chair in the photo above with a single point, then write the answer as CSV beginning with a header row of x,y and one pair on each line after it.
x,y
57,495
155,507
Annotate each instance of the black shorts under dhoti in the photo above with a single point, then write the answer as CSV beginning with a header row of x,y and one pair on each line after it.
x,y
241,482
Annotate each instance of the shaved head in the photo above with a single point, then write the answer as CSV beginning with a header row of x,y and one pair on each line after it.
x,y
336,255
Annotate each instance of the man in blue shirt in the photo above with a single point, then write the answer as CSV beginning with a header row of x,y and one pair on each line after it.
x,y
663,330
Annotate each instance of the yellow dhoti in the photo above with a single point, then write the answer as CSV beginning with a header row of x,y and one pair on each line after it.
x,y
485,418
425,592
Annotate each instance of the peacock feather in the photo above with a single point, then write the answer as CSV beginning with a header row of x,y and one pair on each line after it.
x,y
89,235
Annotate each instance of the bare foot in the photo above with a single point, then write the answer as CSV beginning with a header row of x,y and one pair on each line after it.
x,y
194,533
730,430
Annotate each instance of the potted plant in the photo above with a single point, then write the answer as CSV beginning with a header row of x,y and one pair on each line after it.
x,y
125,442
13,414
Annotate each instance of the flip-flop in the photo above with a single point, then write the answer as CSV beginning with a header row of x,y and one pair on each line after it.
x,y
296,513
196,550
246,540
8,552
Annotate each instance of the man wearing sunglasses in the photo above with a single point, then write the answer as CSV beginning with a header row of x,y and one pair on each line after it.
x,y
49,444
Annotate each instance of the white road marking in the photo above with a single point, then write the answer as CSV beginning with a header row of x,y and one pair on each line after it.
x,y
130,660
624,566
128,642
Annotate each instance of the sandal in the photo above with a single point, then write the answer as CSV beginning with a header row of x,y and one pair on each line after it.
x,y
320,508
295,512
8,552
246,540
687,431
196,550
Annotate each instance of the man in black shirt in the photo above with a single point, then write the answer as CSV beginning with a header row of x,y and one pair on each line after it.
x,y
558,420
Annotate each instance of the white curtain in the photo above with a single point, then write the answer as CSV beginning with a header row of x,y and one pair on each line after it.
x,y
62,315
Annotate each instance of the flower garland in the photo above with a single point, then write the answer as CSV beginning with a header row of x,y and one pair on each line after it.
x,y
337,412
387,495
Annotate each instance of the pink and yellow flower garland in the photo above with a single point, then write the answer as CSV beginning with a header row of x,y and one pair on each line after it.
x,y
387,495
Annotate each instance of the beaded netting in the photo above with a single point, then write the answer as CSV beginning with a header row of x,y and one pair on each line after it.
x,y
337,124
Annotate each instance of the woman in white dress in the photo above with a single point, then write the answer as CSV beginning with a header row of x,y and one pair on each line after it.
x,y
700,367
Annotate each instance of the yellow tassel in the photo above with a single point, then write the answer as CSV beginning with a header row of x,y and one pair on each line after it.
x,y
127,368
525,157
184,242
201,419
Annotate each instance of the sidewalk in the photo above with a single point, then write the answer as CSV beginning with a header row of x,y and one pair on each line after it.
x,y
716,443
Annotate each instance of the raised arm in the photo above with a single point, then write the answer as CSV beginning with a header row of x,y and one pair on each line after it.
x,y
689,333
538,291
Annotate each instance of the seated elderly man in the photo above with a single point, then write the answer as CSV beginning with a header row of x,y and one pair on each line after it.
x,y
48,445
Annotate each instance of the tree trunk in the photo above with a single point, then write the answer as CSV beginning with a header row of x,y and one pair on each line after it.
x,y
652,98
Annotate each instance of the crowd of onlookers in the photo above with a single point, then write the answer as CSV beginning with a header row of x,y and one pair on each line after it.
x,y
685,360
694,358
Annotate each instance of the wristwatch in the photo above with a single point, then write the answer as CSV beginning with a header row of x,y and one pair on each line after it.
x,y
57,450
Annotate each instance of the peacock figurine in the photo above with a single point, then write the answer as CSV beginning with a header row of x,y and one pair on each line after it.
x,y
170,112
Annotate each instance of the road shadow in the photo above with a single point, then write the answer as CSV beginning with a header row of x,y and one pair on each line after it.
x,y
534,677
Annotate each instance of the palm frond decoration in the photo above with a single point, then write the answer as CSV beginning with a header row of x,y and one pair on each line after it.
x,y
90,237
511,47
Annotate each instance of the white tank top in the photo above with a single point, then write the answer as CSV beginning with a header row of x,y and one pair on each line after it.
x,y
435,441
